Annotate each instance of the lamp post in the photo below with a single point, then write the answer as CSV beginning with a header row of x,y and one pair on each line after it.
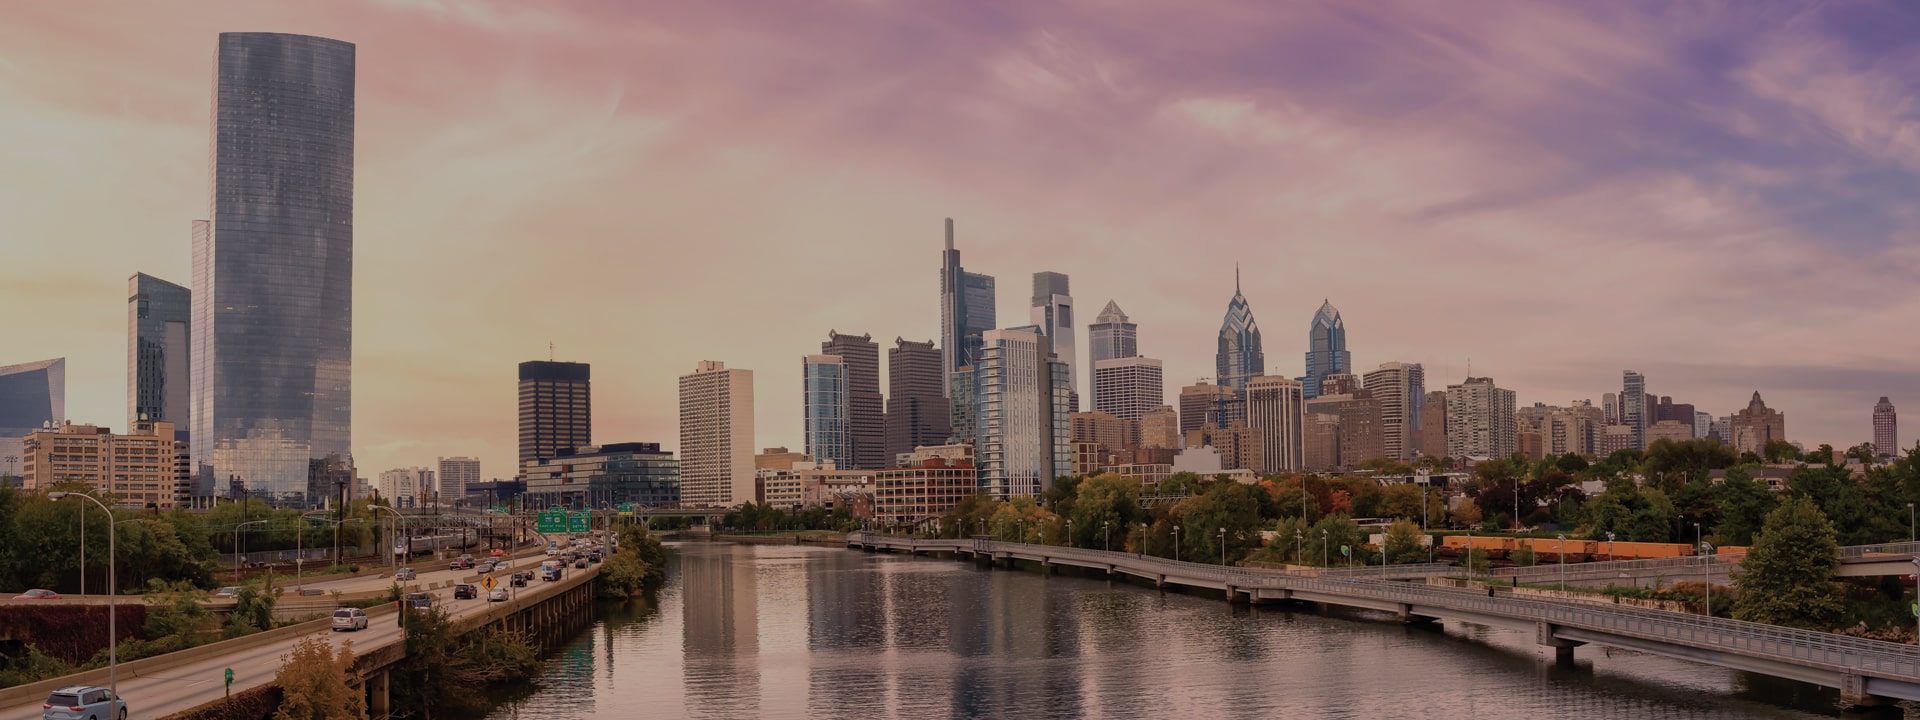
x,y
1176,543
395,526
1070,533
1223,547
1911,525
1299,546
1106,536
1325,559
1469,554
1706,549
1563,561
237,555
113,595
1916,574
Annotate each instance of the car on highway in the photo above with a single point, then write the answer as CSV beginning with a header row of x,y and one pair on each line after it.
x,y
83,702
461,563
496,552
550,571
499,594
349,619
580,564
502,563
521,578
466,591
483,568
228,592
420,600
38,594
404,575
552,549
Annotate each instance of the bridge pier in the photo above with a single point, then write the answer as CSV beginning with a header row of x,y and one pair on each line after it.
x,y
378,701
1853,694
1048,568
1562,649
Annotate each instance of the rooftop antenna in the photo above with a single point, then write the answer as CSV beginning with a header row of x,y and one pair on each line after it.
x,y
549,351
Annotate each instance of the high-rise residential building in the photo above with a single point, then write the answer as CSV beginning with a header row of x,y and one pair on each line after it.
x,y
918,412
1702,424
556,408
1052,312
408,487
1571,430
1274,412
1611,404
456,475
1326,348
866,409
716,436
1320,440
1110,337
824,380
1433,424
1240,356
1024,434
1160,428
1633,406
158,371
33,396
1203,402
1401,389
963,395
1480,420
272,323
1612,439
1238,447
136,470
1109,432
1886,428
1362,435
1752,428
966,308
1128,387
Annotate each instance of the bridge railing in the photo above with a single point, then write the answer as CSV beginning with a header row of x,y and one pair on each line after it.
x,y
1899,548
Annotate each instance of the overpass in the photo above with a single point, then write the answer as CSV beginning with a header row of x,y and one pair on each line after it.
x,y
1867,672
1855,561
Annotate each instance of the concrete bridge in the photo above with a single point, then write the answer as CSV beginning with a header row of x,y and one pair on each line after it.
x,y
1855,561
1867,672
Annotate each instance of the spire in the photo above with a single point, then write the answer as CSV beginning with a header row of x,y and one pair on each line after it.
x,y
1236,277
949,233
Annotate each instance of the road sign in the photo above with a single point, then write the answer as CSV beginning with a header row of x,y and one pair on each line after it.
x,y
503,510
488,582
229,682
579,522
626,509
552,520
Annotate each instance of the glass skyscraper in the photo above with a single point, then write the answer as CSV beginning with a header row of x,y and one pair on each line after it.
x,y
1240,356
966,308
272,322
31,395
1327,349
829,437
157,342
1110,337
1052,312
1022,403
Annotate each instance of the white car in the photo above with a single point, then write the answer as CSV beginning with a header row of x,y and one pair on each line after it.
x,y
403,575
499,594
349,619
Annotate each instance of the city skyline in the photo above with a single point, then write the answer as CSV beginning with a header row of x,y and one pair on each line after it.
x,y
466,159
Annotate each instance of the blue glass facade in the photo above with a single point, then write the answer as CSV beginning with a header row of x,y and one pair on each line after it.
x,y
824,380
966,308
1240,356
157,358
1327,349
272,325
32,394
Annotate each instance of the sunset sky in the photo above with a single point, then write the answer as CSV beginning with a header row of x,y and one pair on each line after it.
x,y
1719,195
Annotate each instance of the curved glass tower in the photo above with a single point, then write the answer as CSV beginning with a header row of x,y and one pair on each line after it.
x,y
272,325
1240,357
1327,353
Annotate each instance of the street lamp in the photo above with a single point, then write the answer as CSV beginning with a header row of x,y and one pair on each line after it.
x,y
1610,546
237,555
1070,533
113,594
1325,560
1106,536
1707,550
1176,543
1911,525
1223,547
1469,554
1563,561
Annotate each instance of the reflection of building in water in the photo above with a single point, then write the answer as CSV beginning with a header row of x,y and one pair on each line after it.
x,y
720,632
1027,623
847,617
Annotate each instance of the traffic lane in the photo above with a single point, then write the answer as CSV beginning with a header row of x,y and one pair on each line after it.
x,y
425,574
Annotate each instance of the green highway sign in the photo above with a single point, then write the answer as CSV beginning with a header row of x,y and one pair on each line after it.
x,y
552,520
503,510
579,522
626,509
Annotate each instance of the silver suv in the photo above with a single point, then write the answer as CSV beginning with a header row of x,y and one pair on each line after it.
x,y
83,702
349,619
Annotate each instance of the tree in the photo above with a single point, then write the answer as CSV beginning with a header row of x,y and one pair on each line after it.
x,y
314,680
1572,463
1467,513
1787,576
1327,536
1112,500
1225,505
1744,506
1780,451
638,567
1524,556
1402,544
1668,464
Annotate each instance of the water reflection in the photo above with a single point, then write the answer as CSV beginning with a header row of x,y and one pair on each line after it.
x,y
797,632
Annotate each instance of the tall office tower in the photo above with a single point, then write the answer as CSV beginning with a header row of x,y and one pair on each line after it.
x,y
272,324
1361,434
1633,406
1401,389
1203,403
1480,420
1160,429
1052,312
1702,424
1239,357
1327,348
966,308
918,412
456,475
1433,425
1023,425
1610,404
1886,428
556,408
1274,407
963,395
716,436
1128,387
33,396
1110,337
824,379
866,410
157,340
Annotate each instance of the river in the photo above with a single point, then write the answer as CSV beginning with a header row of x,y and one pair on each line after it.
x,y
805,632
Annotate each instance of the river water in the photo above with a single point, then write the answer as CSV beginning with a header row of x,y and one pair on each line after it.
x,y
805,632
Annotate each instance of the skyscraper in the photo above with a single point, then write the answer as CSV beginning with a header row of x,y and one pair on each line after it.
x,y
1239,356
1752,428
961,395
1401,389
1327,348
556,408
1480,420
866,409
716,436
918,412
1203,403
966,308
456,475
158,384
1110,337
272,324
1052,312
1274,412
1886,428
824,379
1433,425
32,396
1024,426
1128,387
1633,406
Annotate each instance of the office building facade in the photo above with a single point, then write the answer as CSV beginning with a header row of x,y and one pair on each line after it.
x,y
159,374
1239,356
1756,425
866,409
1111,336
1633,406
1129,387
456,474
918,412
1160,428
1275,412
1401,389
33,396
1203,403
1023,408
406,488
1886,428
966,308
135,471
603,476
824,382
1327,349
1480,420
965,413
556,408
716,436
1052,312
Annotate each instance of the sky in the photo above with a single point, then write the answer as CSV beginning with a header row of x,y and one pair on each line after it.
x,y
1718,195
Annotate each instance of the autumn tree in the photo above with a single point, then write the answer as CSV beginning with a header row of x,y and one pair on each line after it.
x,y
1402,543
315,682
1467,513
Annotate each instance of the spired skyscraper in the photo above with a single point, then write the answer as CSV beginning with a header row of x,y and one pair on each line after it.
x,y
1327,349
157,358
966,309
1110,337
272,321
1240,356
1053,313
